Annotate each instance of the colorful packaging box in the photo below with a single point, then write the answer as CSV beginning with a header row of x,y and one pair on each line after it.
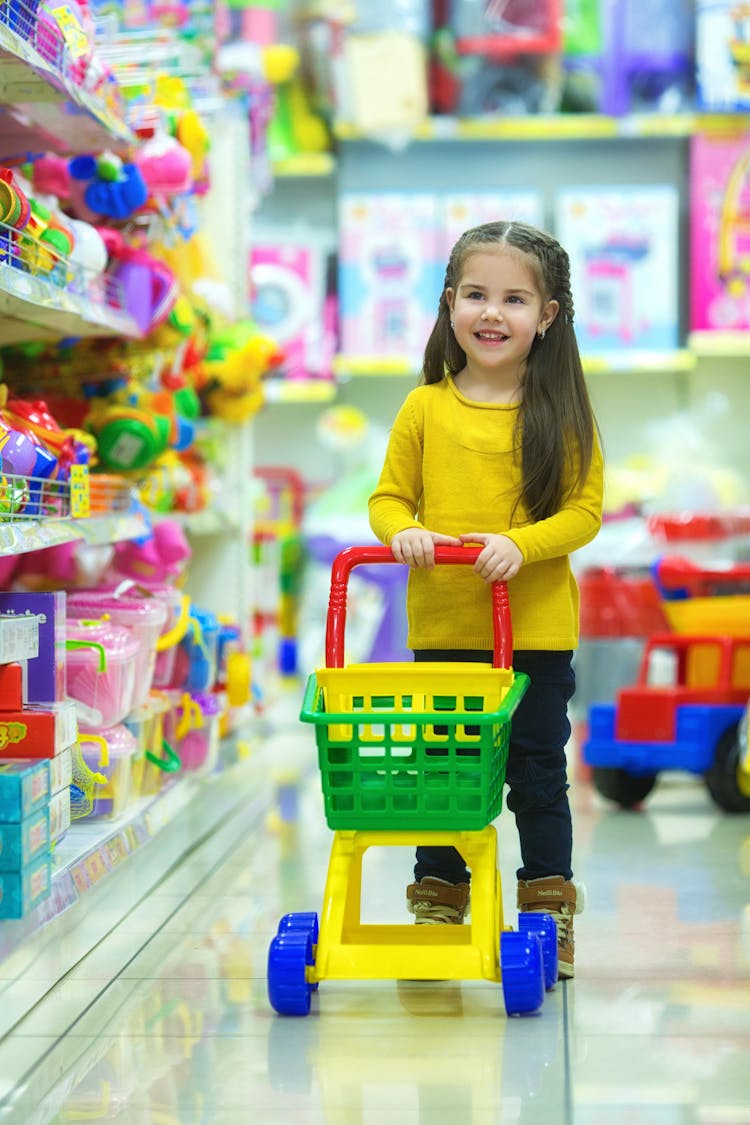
x,y
719,234
623,248
21,891
390,272
462,210
23,842
40,730
722,47
288,288
59,814
44,677
60,771
24,787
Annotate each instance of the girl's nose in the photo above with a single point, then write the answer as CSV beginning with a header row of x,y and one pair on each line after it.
x,y
491,312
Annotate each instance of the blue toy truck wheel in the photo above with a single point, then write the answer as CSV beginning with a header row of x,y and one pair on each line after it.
x,y
289,954
307,921
543,925
522,969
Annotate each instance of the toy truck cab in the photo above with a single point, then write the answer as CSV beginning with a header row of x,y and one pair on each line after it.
x,y
682,713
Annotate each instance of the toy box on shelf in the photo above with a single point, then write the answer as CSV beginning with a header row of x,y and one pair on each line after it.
x,y
491,59
722,48
462,210
623,248
624,58
36,734
719,233
388,272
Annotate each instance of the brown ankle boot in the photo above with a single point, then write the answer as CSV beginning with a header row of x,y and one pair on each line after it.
x,y
436,902
561,898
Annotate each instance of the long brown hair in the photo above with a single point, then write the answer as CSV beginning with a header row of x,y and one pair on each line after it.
x,y
556,423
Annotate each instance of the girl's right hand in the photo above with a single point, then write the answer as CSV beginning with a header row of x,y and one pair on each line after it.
x,y
416,546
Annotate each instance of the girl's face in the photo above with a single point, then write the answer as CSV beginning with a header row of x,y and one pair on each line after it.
x,y
497,310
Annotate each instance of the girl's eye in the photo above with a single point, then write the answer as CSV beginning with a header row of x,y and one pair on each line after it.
x,y
475,295
515,298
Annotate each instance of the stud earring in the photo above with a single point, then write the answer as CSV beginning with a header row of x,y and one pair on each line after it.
x,y
542,334
453,324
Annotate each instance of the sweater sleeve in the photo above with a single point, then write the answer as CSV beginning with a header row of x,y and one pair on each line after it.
x,y
393,505
576,524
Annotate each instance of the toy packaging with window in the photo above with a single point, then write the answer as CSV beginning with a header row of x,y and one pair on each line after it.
x,y
719,234
623,248
111,754
389,272
462,210
722,55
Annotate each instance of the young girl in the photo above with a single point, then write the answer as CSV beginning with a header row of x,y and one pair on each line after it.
x,y
499,448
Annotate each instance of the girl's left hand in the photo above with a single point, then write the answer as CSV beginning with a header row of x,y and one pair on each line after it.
x,y
500,559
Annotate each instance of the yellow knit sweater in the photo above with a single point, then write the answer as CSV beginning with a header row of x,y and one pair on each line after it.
x,y
451,468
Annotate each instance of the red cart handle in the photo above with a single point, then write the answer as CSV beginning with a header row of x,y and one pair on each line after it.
x,y
350,557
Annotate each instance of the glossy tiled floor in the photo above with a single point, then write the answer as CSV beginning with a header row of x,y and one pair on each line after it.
x,y
167,1021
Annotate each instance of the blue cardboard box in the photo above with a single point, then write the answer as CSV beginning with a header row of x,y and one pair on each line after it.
x,y
22,843
24,787
21,891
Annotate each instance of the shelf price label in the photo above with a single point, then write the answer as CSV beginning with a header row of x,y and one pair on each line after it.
x,y
80,502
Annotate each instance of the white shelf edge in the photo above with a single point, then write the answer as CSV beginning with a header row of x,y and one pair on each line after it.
x,y
18,536
29,83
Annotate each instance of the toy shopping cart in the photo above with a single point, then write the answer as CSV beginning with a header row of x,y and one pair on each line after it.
x,y
411,753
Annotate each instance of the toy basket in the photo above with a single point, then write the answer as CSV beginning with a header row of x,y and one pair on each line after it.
x,y
412,745
703,601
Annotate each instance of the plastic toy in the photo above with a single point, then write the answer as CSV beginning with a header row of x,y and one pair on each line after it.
x,y
685,710
113,189
411,753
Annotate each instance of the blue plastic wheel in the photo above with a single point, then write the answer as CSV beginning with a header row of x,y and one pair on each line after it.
x,y
307,921
537,922
301,920
522,969
289,955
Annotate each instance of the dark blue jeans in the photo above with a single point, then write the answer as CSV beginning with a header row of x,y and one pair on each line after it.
x,y
536,774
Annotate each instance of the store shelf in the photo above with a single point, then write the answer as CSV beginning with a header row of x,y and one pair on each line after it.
x,y
305,164
72,120
720,344
33,308
19,536
211,521
103,869
298,390
628,362
553,127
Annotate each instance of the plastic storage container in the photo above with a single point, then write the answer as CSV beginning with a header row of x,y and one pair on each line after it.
x,y
199,747
101,662
145,618
113,760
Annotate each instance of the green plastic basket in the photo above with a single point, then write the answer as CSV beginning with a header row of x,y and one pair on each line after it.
x,y
412,746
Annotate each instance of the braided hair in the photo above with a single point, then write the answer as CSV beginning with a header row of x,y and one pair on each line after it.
x,y
556,428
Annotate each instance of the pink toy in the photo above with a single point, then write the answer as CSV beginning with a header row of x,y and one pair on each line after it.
x,y
166,166
160,558
720,233
100,672
144,618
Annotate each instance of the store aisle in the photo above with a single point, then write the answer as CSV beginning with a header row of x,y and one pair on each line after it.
x,y
167,1021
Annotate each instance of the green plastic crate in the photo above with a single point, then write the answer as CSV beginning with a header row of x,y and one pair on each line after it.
x,y
405,746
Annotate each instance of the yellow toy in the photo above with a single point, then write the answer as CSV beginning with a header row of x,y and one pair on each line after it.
x,y
411,753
